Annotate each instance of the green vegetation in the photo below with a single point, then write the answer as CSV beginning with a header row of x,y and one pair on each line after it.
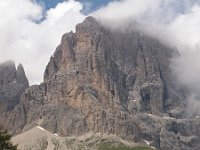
x,y
5,141
122,147
99,143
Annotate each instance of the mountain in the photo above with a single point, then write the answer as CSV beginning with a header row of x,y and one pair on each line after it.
x,y
112,82
13,83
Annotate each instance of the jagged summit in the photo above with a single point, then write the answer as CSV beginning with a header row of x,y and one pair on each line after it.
x,y
9,73
88,22
90,19
21,76
90,26
13,82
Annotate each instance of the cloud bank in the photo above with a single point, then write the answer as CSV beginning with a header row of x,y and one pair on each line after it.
x,y
29,34
174,22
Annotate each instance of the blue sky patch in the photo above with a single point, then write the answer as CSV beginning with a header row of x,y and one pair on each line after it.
x,y
89,5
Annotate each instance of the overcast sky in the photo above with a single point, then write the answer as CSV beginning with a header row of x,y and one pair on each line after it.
x,y
30,30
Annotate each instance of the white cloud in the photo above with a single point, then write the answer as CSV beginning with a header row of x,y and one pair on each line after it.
x,y
186,35
174,22
187,27
31,43
118,13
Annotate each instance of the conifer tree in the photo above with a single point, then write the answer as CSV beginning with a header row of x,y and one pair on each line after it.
x,y
5,140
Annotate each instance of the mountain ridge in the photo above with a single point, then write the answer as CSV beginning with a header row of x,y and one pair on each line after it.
x,y
110,82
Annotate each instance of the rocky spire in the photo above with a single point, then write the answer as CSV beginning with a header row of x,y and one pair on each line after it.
x,y
21,76
13,82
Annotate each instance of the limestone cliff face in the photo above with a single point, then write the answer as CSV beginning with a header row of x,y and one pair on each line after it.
x,y
125,68
13,82
99,80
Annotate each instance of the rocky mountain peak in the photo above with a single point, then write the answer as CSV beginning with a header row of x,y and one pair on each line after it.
x,y
86,35
13,82
21,76
7,72
90,25
127,60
